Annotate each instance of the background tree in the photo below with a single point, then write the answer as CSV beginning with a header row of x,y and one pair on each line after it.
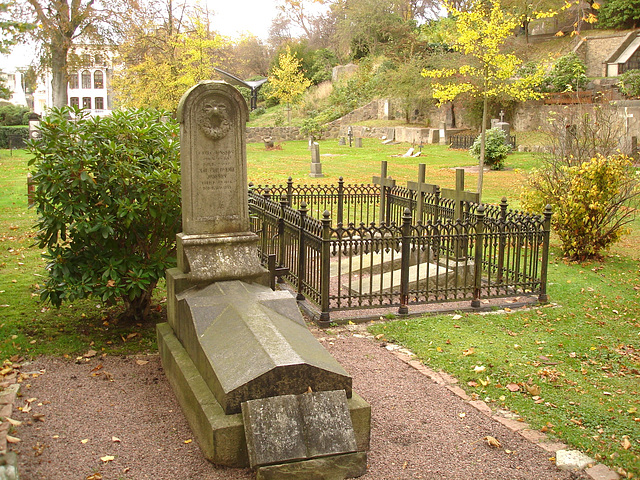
x,y
11,30
165,53
108,202
489,73
59,24
619,14
287,82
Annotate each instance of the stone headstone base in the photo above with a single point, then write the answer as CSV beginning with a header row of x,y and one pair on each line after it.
x,y
221,437
218,257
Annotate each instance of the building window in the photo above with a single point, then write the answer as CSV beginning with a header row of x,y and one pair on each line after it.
x,y
86,59
99,103
86,103
73,80
86,79
98,60
74,101
98,79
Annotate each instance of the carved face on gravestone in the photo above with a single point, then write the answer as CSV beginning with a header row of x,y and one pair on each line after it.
x,y
213,119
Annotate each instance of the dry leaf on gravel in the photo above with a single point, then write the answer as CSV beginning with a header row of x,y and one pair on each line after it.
x,y
115,439
15,423
90,353
493,442
142,362
107,458
11,439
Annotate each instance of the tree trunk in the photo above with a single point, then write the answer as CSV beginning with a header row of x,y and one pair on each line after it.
x,y
483,136
59,75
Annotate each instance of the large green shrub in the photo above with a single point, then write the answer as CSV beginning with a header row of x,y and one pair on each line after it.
x,y
567,75
629,82
7,132
592,201
11,115
496,148
108,202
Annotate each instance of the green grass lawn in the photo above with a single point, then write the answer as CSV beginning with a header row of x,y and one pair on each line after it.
x,y
575,363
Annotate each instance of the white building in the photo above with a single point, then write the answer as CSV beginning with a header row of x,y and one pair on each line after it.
x,y
14,81
89,85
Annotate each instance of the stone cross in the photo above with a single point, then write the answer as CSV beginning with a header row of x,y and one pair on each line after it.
x,y
385,184
459,195
421,188
501,116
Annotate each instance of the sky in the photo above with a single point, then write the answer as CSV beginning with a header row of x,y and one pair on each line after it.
x,y
231,18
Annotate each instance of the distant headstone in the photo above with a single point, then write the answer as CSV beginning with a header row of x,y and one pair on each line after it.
x,y
495,122
433,136
358,142
505,127
316,166
342,141
443,133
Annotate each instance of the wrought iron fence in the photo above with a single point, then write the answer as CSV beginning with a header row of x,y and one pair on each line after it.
x,y
464,142
490,251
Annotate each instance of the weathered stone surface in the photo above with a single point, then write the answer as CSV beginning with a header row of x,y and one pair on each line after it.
x,y
273,428
250,342
213,117
336,467
573,460
221,437
294,427
601,472
9,466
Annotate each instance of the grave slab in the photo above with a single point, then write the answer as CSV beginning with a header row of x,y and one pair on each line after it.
x,y
250,342
295,427
220,436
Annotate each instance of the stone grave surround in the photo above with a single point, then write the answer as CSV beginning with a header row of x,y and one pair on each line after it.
x,y
256,387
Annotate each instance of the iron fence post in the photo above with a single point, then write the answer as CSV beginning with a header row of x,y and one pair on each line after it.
x,y
404,262
436,207
502,238
266,196
477,279
543,297
301,251
324,319
290,190
281,238
340,215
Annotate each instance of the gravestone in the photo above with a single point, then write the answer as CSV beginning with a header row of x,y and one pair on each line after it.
x,y
443,136
358,142
385,183
229,339
422,189
316,166
342,141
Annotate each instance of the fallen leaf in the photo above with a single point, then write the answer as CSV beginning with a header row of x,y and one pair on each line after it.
x,y
11,439
457,317
107,458
90,353
142,362
493,442
95,476
115,439
471,383
188,441
533,389
462,415
513,387
84,440
38,416
15,423
479,368
626,444
468,351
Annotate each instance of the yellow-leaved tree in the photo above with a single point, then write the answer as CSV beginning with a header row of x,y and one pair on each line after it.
x,y
287,82
488,72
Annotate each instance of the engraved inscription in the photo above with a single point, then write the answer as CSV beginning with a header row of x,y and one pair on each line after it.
x,y
215,178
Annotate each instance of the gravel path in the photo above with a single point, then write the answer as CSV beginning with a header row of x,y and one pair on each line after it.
x,y
116,418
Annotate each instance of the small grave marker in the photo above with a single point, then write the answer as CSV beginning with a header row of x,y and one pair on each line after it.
x,y
385,183
422,189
